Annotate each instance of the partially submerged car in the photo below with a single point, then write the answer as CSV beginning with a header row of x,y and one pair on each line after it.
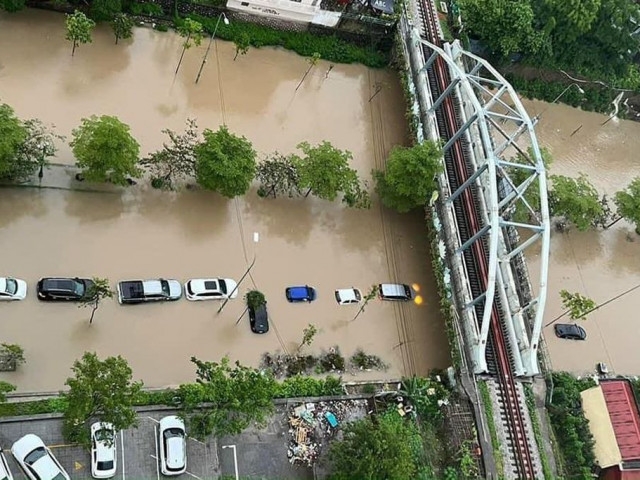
x,y
103,450
258,316
143,291
12,289
395,291
210,289
300,294
570,331
36,460
172,441
65,289
348,296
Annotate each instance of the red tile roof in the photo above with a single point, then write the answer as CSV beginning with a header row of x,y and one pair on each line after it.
x,y
625,417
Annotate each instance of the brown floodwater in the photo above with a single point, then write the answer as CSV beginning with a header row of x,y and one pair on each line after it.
x,y
142,233
598,264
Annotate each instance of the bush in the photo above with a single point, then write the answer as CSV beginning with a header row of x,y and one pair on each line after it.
x,y
255,299
147,8
301,386
570,425
330,48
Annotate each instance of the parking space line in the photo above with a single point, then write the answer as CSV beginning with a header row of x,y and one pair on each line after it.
x,y
155,436
235,458
122,462
197,441
194,476
62,445
153,419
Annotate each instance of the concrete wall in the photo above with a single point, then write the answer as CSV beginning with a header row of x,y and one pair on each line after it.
x,y
303,11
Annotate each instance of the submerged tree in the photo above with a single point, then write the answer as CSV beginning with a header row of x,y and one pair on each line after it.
x,y
576,305
312,61
98,291
242,43
628,203
225,163
105,150
577,200
192,32
79,29
278,175
177,159
409,179
122,26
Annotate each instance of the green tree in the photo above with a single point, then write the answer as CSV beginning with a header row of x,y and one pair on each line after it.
x,y
192,32
12,5
98,291
572,18
308,334
242,43
278,174
100,390
505,26
628,203
577,200
13,353
371,294
177,159
324,170
576,305
105,10
24,145
409,179
519,175
226,399
79,29
105,150
386,447
5,387
225,163
354,192
122,26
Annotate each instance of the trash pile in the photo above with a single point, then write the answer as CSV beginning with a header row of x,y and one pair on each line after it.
x,y
312,423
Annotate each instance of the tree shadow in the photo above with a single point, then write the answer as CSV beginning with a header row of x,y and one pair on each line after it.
x,y
624,245
357,230
20,202
89,206
290,219
576,247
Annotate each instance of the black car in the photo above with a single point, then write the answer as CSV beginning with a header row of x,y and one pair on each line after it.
x,y
570,331
259,319
64,289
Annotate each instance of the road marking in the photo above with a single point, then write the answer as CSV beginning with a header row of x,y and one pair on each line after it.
x,y
154,457
153,419
194,476
197,441
155,437
122,462
77,466
62,445
235,459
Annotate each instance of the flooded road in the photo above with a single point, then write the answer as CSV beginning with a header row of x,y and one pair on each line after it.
x,y
141,233
598,264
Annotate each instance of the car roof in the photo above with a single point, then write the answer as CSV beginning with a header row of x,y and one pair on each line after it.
x,y
347,294
152,287
26,444
261,316
299,291
58,284
393,289
175,452
201,285
104,452
46,467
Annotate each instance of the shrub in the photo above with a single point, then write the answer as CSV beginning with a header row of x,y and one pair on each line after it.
x,y
147,8
301,386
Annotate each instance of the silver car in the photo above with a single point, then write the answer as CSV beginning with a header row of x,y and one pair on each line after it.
x,y
172,442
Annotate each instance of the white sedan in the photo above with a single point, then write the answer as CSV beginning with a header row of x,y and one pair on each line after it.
x,y
36,460
210,289
12,289
348,296
103,450
172,440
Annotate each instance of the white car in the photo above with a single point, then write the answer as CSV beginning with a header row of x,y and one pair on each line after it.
x,y
103,450
210,289
12,289
36,460
5,473
348,296
172,442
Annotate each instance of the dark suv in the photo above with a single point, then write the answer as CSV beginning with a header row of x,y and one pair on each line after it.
x,y
64,289
570,331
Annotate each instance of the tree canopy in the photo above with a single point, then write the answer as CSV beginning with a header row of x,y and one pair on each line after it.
x,y
577,200
386,447
122,26
105,150
225,163
226,399
12,6
100,390
105,10
278,175
628,203
409,179
79,29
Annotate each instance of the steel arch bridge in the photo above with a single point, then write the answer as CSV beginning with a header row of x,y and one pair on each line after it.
x,y
507,174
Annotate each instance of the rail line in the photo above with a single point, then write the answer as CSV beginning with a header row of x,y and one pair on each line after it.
x,y
466,207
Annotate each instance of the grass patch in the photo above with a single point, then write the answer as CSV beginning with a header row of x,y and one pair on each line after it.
x,y
537,431
488,413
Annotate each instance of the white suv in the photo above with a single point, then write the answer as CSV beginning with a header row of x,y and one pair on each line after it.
x,y
172,441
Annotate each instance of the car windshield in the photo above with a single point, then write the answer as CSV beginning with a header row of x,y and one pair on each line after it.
x,y
59,476
105,435
12,286
105,465
78,287
165,287
172,432
35,455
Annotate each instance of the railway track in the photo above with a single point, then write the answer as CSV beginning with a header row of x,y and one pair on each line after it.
x,y
467,209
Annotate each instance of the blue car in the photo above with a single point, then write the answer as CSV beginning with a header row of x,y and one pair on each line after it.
x,y
300,294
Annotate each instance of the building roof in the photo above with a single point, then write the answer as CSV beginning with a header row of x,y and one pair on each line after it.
x,y
595,410
625,417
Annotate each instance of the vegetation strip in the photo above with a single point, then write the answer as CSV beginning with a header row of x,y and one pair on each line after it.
x,y
485,396
537,431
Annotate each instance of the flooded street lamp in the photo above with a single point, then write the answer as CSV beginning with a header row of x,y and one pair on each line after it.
x,y
204,59
256,239
535,119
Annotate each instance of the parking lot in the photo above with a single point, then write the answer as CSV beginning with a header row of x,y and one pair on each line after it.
x,y
136,450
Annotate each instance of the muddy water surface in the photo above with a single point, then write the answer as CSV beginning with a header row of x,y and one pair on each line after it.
x,y
141,233
599,264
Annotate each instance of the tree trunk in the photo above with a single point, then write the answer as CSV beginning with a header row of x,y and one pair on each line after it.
x,y
93,312
73,50
237,52
307,194
304,76
184,49
117,39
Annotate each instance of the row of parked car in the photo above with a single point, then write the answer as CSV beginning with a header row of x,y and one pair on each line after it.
x,y
143,291
38,462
